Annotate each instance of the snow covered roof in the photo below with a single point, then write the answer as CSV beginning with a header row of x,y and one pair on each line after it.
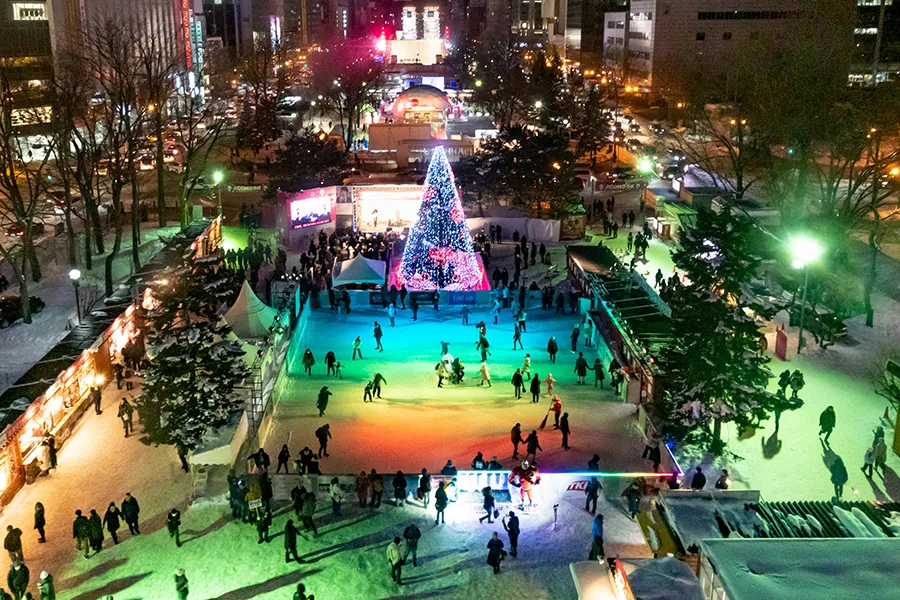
x,y
788,569
665,578
359,270
249,317
692,515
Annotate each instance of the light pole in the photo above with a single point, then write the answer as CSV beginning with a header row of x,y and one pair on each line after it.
x,y
75,275
217,179
804,251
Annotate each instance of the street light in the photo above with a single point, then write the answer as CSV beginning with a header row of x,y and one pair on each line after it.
x,y
217,179
804,250
538,104
75,275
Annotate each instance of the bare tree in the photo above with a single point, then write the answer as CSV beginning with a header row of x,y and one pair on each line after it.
x,y
23,183
264,74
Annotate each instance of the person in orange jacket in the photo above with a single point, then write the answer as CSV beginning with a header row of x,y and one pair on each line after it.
x,y
556,407
525,477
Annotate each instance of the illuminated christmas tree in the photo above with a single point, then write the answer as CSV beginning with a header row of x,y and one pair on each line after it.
x,y
439,254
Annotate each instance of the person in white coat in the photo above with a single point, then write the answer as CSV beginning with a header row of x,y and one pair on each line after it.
x,y
392,313
396,550
336,495
526,367
485,374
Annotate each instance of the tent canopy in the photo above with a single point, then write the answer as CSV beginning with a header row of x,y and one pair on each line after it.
x,y
249,317
358,270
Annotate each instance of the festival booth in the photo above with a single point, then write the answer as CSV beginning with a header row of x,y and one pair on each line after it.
x,y
250,318
359,270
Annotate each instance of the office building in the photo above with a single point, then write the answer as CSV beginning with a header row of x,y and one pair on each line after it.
x,y
876,43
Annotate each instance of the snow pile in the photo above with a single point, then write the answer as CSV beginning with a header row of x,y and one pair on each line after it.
x,y
849,521
894,522
874,530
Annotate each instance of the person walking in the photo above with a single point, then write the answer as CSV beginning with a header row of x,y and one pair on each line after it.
x,y
403,293
515,435
131,511
495,310
517,383
284,457
395,553
81,532
633,494
290,542
827,421
532,445
17,579
377,334
330,360
581,368
95,527
496,552
597,550
377,488
441,370
549,381
414,305
485,373
535,388
181,585
556,409
322,400
362,488
838,477
564,429
411,536
526,366
112,520
399,483
173,525
307,511
423,492
323,434
440,502
599,374
96,398
126,412
517,337
336,495
367,392
465,315
263,522
573,337
512,530
377,381
592,493
880,455
488,503
308,361
868,462
13,544
698,481
40,521
46,587
355,345
392,313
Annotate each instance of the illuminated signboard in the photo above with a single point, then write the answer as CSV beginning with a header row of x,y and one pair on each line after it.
x,y
311,207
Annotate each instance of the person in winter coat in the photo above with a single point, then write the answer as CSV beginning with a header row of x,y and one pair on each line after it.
x,y
111,520
576,333
378,334
517,383
95,524
173,525
535,388
827,421
181,584
723,483
556,409
13,543
17,579
698,481
355,345
488,504
423,491
284,457
880,455
308,511
46,587
441,370
549,381
322,401
552,349
485,374
597,550
440,502
336,495
592,492
40,521
377,488
838,476
532,445
263,522
526,367
868,462
411,535
330,359
323,434
377,381
496,552
512,529
81,532
395,552
126,412
599,375
308,361
399,489
362,488
392,313
261,460
494,465
515,436
581,368
633,494
449,469
290,542
478,463
517,337
564,429
131,510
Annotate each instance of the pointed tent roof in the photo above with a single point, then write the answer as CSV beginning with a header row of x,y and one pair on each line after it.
x,y
358,270
249,317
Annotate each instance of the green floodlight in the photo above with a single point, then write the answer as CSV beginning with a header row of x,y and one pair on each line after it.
x,y
805,250
645,164
217,177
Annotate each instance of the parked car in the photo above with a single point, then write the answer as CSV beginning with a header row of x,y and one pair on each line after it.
x,y
671,172
11,309
18,229
635,128
635,145
657,129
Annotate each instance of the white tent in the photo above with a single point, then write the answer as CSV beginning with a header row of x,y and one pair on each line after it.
x,y
249,317
358,270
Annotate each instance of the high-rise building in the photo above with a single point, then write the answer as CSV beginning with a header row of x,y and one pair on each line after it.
x,y
26,51
876,42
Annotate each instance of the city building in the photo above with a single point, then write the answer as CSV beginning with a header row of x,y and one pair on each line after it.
x,y
655,42
876,43
26,52
232,26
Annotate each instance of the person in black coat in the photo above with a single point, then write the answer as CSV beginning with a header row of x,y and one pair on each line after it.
x,y
284,458
13,543
518,383
512,528
131,510
111,519
495,552
488,504
290,542
95,528
399,489
81,531
173,523
698,481
40,521
17,579
536,388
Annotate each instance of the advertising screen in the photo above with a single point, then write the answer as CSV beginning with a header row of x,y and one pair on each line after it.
x,y
310,208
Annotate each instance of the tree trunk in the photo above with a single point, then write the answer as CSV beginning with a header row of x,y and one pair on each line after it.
x,y
160,192
33,261
71,244
93,223
716,446
88,259
117,244
870,276
135,219
24,297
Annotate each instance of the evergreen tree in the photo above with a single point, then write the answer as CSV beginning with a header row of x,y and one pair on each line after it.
x,y
189,385
714,368
439,252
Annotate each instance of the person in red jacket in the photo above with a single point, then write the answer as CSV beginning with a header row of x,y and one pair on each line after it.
x,y
525,477
556,408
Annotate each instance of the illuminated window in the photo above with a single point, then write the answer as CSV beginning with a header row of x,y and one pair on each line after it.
x,y
865,31
23,11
